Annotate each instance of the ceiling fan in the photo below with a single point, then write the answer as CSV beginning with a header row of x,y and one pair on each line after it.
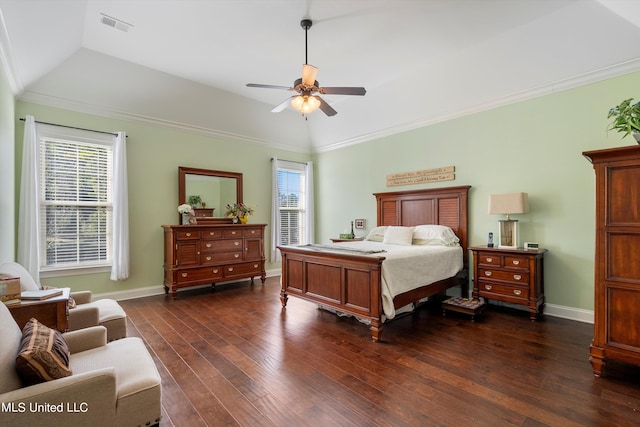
x,y
307,87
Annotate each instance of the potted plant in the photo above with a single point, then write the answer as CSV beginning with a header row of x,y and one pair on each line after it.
x,y
194,200
626,118
238,212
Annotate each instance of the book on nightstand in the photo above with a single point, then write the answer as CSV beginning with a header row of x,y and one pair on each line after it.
x,y
40,294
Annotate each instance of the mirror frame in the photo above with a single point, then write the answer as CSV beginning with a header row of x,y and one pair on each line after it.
x,y
183,171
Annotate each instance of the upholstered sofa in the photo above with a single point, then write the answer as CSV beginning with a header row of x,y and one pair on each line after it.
x,y
103,312
111,384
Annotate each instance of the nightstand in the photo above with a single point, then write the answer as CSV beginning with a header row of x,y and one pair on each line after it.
x,y
515,276
51,312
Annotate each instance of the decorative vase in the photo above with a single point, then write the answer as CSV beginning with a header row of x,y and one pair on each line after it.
x,y
244,219
235,220
185,219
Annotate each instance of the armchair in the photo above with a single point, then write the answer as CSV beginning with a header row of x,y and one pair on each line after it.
x,y
111,384
86,313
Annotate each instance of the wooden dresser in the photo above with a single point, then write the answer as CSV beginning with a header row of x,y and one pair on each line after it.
x,y
515,276
203,254
617,257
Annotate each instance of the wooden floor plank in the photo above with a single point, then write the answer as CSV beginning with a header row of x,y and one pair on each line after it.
x,y
233,356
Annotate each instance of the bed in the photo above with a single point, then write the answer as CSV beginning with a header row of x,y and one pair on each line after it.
x,y
350,280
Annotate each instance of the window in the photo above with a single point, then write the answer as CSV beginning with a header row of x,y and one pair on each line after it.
x,y
291,203
76,201
292,212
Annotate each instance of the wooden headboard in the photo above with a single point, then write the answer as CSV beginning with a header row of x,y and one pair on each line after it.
x,y
444,206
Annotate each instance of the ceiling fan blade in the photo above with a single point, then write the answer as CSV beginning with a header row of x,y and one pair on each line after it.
x,y
326,108
269,86
343,91
309,73
282,105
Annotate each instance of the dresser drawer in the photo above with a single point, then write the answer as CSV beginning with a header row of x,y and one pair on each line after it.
x,y
210,233
505,292
187,235
507,276
221,245
488,258
252,232
231,234
224,256
242,269
195,274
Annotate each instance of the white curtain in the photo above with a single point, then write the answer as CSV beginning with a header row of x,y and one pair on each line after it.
x,y
120,266
275,212
309,217
29,211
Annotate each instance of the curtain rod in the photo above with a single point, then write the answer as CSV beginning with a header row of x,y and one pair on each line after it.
x,y
290,161
73,127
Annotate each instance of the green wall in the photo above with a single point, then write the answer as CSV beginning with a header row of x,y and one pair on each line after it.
x,y
533,146
153,155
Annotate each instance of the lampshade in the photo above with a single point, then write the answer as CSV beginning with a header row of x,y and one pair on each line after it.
x,y
511,203
305,103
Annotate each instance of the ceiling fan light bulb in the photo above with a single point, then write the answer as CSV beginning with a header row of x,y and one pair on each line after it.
x,y
313,103
297,102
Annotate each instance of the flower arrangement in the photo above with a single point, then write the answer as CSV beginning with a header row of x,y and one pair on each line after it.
x,y
626,118
185,208
238,210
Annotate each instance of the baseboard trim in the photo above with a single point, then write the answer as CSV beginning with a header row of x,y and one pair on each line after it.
x,y
156,290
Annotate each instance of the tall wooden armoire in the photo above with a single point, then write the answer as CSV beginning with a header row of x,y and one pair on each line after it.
x,y
617,257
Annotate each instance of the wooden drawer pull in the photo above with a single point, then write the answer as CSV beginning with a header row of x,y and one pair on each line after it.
x,y
517,277
488,287
487,273
516,262
517,291
208,245
185,274
489,259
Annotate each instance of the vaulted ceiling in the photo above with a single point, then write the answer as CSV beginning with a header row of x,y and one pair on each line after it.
x,y
186,63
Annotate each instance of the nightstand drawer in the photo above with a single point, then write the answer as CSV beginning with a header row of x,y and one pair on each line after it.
x,y
505,292
516,262
488,258
507,276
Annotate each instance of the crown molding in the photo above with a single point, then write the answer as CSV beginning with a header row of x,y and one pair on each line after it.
x,y
547,89
6,59
80,107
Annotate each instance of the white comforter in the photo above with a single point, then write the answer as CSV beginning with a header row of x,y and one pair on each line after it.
x,y
409,267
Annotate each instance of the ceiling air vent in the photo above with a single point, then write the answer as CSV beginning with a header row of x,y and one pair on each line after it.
x,y
115,23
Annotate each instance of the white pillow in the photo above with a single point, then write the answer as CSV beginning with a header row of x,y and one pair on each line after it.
x,y
377,234
432,233
398,236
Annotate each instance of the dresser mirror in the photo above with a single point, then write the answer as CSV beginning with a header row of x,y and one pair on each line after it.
x,y
212,190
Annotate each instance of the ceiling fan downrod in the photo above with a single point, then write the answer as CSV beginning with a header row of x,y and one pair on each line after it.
x,y
306,24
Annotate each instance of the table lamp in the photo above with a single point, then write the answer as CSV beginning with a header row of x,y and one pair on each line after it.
x,y
508,204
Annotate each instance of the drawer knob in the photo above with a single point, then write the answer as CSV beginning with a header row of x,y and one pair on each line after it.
x,y
212,233
236,243
208,245
188,234
517,276
233,232
516,262
253,231
215,270
517,291
488,287
185,274
236,255
230,269
208,258
487,273
255,265
489,259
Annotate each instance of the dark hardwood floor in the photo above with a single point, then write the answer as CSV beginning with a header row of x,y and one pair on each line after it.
x,y
235,357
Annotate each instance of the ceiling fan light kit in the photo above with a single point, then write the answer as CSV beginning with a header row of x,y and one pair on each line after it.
x,y
307,101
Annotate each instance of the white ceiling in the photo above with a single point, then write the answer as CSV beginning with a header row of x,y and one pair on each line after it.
x,y
185,63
